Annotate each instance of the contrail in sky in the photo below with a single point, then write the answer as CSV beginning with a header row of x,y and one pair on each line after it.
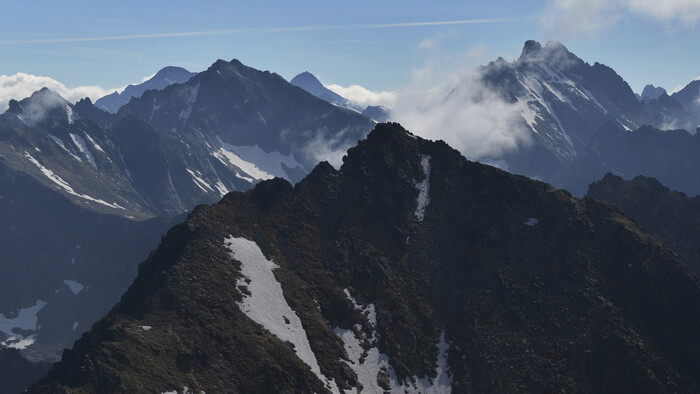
x,y
263,30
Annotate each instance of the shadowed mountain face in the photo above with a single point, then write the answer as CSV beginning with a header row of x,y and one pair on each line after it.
x,y
227,128
237,105
18,373
410,268
165,77
669,156
85,194
671,216
62,266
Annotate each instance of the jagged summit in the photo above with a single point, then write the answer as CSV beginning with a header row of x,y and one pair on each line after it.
x,y
40,105
530,48
554,53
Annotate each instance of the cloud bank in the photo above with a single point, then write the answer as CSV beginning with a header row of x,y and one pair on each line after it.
x,y
361,97
458,108
21,85
575,17
452,106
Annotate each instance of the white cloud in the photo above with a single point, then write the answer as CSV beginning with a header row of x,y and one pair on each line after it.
x,y
685,12
362,97
458,108
574,17
454,106
21,85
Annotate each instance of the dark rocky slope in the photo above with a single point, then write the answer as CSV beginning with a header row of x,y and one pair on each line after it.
x,y
523,287
17,373
671,216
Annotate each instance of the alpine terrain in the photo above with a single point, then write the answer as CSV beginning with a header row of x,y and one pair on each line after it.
x,y
564,101
408,269
86,194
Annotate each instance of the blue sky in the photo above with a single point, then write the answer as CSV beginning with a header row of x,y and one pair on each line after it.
x,y
376,44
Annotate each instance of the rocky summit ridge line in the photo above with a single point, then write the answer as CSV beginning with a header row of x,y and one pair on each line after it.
x,y
409,268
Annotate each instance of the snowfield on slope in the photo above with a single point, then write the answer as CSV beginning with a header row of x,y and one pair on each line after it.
x,y
367,363
423,188
266,304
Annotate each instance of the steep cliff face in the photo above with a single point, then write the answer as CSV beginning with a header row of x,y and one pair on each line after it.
x,y
410,268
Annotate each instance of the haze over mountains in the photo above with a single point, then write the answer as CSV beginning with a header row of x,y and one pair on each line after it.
x,y
368,258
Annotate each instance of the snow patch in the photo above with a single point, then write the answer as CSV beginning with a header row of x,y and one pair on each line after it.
x,y
531,222
367,311
17,343
145,328
423,188
185,389
26,320
69,114
82,146
219,186
65,186
257,163
60,143
98,147
367,362
74,286
265,304
201,183
228,157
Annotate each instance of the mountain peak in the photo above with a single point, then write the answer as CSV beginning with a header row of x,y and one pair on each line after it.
x,y
652,92
41,104
554,53
311,84
530,48
306,78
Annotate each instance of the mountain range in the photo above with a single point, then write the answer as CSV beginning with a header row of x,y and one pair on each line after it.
x,y
408,269
86,194
564,102
398,266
